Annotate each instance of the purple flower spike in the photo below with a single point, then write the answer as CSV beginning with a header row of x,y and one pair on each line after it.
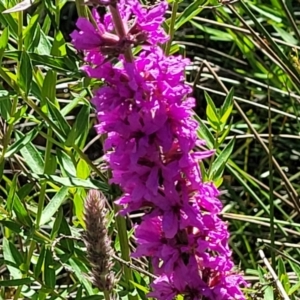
x,y
145,108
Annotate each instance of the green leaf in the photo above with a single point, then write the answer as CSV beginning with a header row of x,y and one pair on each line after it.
x,y
31,156
31,34
13,259
74,103
80,128
67,244
34,40
6,20
25,190
22,142
294,288
5,108
47,24
140,287
24,76
73,182
21,212
49,270
3,42
267,15
94,297
227,107
205,133
17,282
219,164
54,205
79,294
77,266
52,165
15,204
59,45
218,182
11,194
57,223
191,11
214,34
83,169
58,118
212,113
286,36
18,115
12,225
61,64
66,164
78,201
268,291
282,275
49,90
281,267
44,47
23,5
225,133
296,268
40,262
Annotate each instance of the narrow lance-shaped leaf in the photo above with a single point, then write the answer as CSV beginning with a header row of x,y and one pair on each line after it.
x,y
17,282
3,42
212,113
53,205
13,259
31,155
11,194
192,10
22,142
227,107
7,20
80,128
49,270
219,164
24,76
19,7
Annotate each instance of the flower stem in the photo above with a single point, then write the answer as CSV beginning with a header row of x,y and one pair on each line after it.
x,y
20,30
120,221
120,29
125,251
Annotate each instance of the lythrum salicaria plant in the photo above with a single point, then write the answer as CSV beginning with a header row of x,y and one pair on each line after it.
x,y
145,109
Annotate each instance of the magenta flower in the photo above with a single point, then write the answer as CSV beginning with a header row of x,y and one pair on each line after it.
x,y
145,109
89,38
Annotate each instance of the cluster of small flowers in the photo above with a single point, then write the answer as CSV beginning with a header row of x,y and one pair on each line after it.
x,y
145,110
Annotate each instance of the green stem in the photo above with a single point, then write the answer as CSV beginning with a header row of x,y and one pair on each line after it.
x,y
172,27
27,266
106,295
212,159
57,15
20,30
271,196
125,249
81,9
